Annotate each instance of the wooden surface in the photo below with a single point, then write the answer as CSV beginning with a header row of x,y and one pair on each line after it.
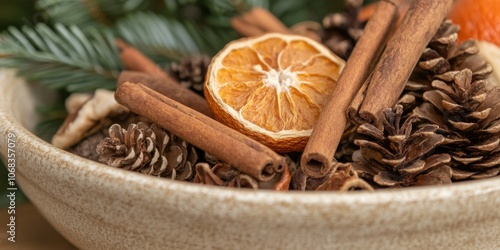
x,y
32,231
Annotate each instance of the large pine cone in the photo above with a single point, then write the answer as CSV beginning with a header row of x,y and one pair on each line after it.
x,y
399,156
341,31
148,149
467,112
442,57
444,54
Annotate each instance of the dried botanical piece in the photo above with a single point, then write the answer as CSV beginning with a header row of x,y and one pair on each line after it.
x,y
190,72
342,30
75,101
398,156
148,149
467,112
302,182
85,121
223,174
344,178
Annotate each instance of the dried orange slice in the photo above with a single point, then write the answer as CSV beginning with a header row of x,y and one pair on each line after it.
x,y
272,87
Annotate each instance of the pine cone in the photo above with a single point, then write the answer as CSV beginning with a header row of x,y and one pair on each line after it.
x,y
190,72
467,112
342,30
442,58
444,55
399,156
148,149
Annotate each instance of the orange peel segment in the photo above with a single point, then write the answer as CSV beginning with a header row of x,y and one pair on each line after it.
x,y
272,87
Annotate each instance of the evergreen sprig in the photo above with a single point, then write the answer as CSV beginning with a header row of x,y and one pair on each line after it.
x,y
89,12
62,57
157,36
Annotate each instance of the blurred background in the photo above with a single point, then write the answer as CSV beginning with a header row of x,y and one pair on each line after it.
x,y
16,12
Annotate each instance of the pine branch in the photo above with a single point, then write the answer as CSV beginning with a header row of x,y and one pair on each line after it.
x,y
62,57
86,13
166,40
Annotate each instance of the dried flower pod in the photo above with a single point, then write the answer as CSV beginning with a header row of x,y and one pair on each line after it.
x,y
223,174
148,149
399,156
301,181
85,120
190,72
467,112
344,178
342,30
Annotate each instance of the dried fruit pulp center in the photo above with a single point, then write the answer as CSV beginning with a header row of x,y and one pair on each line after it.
x,y
275,84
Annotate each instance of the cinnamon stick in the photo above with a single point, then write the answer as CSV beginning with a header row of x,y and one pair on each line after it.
x,y
226,144
167,87
244,28
135,60
265,20
318,154
401,55
352,110
258,21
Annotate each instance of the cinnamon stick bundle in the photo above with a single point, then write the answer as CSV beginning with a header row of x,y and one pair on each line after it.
x,y
224,143
401,55
169,88
318,154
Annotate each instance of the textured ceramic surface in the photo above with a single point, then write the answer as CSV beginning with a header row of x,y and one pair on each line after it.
x,y
99,207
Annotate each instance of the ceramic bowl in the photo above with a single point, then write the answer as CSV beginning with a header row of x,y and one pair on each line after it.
x,y
99,207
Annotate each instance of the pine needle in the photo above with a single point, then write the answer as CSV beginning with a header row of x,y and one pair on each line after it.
x,y
62,57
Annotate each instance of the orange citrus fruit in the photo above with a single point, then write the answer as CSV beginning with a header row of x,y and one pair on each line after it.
x,y
478,19
272,87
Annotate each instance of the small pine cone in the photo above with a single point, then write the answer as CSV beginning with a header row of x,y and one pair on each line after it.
x,y
342,30
190,72
467,112
399,156
148,149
